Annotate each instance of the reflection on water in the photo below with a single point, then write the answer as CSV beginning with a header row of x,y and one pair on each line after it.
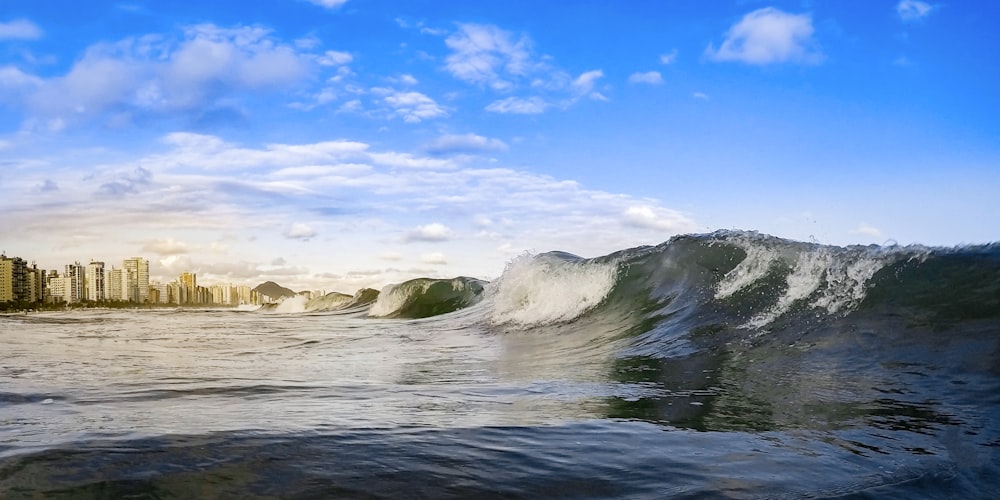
x,y
163,401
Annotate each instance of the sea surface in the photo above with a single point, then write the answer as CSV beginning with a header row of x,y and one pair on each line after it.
x,y
725,365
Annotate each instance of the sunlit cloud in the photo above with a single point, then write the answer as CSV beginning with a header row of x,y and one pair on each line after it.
x,y
300,231
768,36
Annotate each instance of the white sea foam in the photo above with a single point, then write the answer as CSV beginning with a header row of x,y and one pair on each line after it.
x,y
290,305
538,290
805,279
756,264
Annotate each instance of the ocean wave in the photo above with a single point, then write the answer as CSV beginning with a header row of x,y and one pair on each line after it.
x,y
425,297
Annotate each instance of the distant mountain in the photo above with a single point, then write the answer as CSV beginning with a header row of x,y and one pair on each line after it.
x,y
273,290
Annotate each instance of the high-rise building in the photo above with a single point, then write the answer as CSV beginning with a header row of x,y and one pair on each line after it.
x,y
6,279
96,285
138,276
190,282
115,286
14,280
36,283
59,288
75,274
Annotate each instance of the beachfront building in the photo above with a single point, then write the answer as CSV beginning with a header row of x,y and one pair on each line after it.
x,y
75,273
137,269
96,289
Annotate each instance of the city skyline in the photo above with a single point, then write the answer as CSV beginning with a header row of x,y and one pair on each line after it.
x,y
22,281
349,144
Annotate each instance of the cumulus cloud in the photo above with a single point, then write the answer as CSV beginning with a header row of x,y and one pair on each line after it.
x,y
464,143
768,36
650,77
519,106
19,29
660,219
584,84
488,56
413,107
669,58
335,58
167,246
299,231
492,58
202,68
913,10
430,233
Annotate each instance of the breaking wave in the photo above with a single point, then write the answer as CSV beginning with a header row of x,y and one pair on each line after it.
x,y
726,280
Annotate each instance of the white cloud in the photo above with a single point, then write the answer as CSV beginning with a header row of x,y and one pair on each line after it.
x,y
299,231
700,95
431,232
335,58
168,246
650,77
767,36
660,219
586,81
464,143
330,4
434,258
669,58
272,196
495,59
912,10
414,107
19,29
519,106
487,55
207,69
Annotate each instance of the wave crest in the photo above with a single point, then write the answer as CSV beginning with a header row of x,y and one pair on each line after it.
x,y
549,288
425,297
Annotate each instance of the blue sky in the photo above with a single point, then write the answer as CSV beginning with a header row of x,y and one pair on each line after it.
x,y
339,144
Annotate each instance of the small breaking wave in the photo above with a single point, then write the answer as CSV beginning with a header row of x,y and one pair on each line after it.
x,y
425,297
549,288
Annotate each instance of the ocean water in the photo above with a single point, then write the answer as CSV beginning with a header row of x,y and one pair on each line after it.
x,y
727,365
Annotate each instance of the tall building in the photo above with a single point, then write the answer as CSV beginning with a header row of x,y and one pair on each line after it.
x,y
96,285
6,279
190,282
36,283
59,288
114,285
138,276
75,274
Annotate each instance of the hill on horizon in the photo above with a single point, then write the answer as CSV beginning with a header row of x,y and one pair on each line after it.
x,y
274,290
